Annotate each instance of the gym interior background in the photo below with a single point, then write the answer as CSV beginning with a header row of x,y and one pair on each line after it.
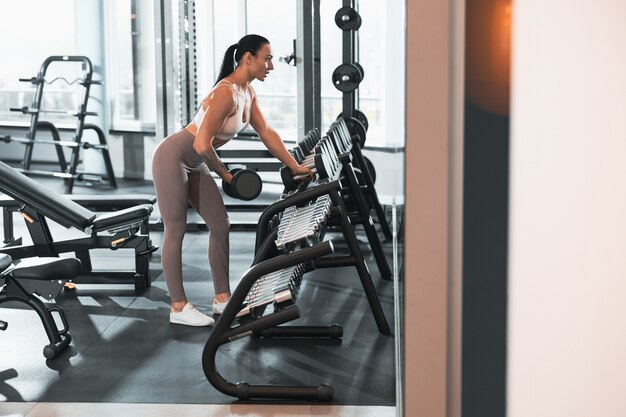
x,y
509,298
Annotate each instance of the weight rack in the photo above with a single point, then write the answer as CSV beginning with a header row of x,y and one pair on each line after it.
x,y
346,78
67,171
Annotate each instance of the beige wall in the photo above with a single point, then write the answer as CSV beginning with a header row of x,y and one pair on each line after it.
x,y
567,252
433,207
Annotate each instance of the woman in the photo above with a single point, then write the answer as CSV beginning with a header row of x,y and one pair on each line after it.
x,y
181,164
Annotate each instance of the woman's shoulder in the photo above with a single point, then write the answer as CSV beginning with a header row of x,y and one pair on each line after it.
x,y
220,95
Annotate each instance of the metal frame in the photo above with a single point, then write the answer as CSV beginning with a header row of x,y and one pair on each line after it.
x,y
349,57
304,65
187,60
68,171
164,57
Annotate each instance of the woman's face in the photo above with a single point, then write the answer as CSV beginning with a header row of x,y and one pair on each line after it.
x,y
262,62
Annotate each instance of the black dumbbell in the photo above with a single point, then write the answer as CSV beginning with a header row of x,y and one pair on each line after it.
x,y
245,185
316,162
340,137
309,141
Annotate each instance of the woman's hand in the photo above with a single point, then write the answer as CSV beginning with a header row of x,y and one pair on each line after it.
x,y
302,170
228,177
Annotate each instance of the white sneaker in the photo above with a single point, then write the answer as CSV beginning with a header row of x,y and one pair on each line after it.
x,y
190,316
218,308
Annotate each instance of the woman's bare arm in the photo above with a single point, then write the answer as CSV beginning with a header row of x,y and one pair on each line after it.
x,y
221,103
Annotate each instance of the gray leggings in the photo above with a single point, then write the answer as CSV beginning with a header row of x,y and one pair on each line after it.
x,y
181,177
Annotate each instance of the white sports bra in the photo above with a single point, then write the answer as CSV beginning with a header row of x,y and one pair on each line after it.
x,y
233,125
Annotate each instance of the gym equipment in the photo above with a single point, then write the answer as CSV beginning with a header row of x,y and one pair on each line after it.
x,y
370,168
66,171
322,163
340,133
347,18
94,202
44,277
334,159
357,130
347,77
39,203
284,255
360,116
245,185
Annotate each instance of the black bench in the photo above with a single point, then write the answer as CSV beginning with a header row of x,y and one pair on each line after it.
x,y
38,203
97,203
44,277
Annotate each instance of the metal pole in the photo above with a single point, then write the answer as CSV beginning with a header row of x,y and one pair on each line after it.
x,y
317,71
304,66
349,36
164,63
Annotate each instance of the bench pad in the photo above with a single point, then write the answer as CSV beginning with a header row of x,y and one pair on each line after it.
x,y
121,218
47,268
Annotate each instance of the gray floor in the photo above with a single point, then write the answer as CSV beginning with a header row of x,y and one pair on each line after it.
x,y
125,351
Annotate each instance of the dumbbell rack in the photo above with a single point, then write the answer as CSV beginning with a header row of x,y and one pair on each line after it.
x,y
67,171
340,217
298,253
333,161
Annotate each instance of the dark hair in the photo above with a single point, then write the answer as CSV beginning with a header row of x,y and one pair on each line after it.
x,y
249,43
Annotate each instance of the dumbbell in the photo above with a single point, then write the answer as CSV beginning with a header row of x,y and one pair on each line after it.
x,y
245,185
306,222
302,222
315,162
273,287
308,142
338,138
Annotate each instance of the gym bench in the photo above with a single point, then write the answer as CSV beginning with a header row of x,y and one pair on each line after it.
x,y
38,203
97,203
44,277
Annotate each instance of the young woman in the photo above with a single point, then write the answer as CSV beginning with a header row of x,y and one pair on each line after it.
x,y
181,165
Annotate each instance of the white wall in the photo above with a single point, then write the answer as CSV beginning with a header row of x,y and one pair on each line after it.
x,y
567,253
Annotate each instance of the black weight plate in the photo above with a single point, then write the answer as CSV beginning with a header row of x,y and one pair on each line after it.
x,y
359,115
360,68
370,168
347,19
346,78
356,128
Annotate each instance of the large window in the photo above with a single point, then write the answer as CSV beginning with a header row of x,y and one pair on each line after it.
x,y
379,51
130,63
27,39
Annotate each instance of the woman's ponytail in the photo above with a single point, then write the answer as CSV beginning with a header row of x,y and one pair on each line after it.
x,y
228,64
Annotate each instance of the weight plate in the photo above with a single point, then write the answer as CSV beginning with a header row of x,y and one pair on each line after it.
x,y
346,78
359,115
347,19
370,168
356,128
360,68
